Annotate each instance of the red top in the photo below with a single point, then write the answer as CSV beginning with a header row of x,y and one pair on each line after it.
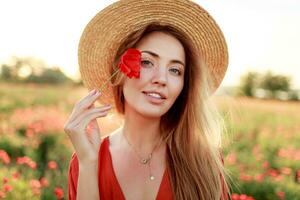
x,y
109,187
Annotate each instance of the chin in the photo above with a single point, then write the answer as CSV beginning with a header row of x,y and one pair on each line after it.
x,y
152,115
149,111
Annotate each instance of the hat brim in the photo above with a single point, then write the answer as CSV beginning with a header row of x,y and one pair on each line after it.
x,y
104,34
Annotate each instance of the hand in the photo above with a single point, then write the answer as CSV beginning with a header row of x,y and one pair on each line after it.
x,y
82,127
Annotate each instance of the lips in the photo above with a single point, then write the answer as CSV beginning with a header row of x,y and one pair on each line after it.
x,y
163,96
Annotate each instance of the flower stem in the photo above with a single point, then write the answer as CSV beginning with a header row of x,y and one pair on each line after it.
x,y
109,79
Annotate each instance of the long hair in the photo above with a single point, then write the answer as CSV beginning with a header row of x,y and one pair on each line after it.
x,y
191,128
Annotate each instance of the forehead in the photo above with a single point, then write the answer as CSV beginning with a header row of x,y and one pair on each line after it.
x,y
165,45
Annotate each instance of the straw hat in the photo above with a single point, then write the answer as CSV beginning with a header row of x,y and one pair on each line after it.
x,y
104,34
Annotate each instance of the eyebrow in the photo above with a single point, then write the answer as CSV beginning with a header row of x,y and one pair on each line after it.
x,y
157,56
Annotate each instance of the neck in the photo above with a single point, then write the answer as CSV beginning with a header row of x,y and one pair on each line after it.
x,y
142,132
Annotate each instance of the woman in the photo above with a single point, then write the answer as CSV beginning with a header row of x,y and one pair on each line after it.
x,y
169,144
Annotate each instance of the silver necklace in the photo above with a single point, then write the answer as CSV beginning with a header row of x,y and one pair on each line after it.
x,y
145,160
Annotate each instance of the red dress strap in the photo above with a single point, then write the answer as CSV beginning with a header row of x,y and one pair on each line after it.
x,y
74,171
107,184
73,177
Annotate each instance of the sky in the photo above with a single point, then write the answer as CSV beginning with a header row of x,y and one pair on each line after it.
x,y
261,34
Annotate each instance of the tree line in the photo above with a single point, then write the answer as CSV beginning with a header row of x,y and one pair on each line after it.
x,y
267,86
252,84
32,70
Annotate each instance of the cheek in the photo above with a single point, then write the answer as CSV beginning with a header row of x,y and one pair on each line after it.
x,y
175,88
129,87
132,89
145,74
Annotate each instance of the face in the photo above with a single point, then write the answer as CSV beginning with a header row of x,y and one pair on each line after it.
x,y
161,76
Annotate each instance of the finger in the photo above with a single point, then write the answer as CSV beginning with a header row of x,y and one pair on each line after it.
x,y
74,111
87,102
93,133
83,124
91,106
84,105
80,142
92,92
93,125
86,113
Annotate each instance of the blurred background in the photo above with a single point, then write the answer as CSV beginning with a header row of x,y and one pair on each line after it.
x,y
259,96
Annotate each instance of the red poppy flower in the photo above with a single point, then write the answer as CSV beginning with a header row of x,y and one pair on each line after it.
x,y
7,188
59,192
44,182
2,194
130,63
4,157
52,165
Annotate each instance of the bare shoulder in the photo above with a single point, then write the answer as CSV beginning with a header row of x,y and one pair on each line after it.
x,y
102,139
113,136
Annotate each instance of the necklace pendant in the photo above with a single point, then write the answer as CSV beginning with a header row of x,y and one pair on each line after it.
x,y
144,161
152,177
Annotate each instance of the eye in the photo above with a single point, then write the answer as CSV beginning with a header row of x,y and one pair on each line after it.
x,y
146,63
178,72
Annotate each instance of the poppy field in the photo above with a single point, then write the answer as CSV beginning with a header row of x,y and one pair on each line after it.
x,y
261,145
262,148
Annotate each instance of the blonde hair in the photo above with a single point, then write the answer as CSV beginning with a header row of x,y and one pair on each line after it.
x,y
191,128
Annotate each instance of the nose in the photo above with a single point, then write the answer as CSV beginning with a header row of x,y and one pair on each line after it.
x,y
160,76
